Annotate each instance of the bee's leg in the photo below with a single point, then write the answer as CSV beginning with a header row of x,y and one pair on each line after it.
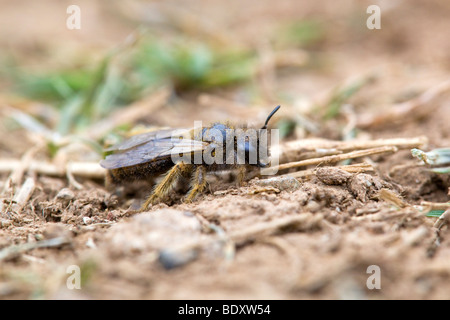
x,y
198,184
241,176
164,187
109,180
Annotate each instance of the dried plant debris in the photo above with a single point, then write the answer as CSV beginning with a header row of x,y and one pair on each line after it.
x,y
348,198
434,157
320,209
66,208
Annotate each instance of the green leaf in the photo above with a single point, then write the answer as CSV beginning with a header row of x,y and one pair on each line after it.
x,y
435,213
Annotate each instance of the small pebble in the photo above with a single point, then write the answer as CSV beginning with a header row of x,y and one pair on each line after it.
x,y
170,259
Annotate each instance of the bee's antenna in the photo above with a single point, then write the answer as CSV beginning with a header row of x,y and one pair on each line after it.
x,y
270,116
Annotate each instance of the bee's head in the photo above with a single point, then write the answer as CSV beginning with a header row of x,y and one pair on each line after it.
x,y
249,146
255,145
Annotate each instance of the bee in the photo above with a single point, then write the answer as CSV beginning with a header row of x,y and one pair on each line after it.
x,y
186,153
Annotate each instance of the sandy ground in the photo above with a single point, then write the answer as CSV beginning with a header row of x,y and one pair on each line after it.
x,y
314,239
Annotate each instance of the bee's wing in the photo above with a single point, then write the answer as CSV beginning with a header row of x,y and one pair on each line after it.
x,y
143,138
152,150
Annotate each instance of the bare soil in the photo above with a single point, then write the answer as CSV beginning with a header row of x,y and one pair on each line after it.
x,y
311,240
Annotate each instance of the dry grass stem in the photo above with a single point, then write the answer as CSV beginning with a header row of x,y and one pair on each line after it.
x,y
392,198
442,220
409,110
81,169
23,194
435,205
131,114
352,168
14,250
336,158
313,148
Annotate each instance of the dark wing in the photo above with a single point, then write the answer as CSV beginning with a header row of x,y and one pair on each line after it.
x,y
143,138
152,150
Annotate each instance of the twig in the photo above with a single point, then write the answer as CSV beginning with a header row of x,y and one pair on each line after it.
x,y
14,250
442,220
130,114
33,259
21,166
72,181
352,168
82,169
412,109
392,198
435,205
24,194
310,148
298,222
335,158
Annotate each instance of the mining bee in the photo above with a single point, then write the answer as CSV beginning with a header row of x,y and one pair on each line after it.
x,y
186,153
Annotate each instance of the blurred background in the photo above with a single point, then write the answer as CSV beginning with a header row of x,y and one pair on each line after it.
x,y
172,62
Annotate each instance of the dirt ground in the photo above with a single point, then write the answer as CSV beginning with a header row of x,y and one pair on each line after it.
x,y
282,239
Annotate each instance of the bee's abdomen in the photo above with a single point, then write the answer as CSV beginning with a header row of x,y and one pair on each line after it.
x,y
141,171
